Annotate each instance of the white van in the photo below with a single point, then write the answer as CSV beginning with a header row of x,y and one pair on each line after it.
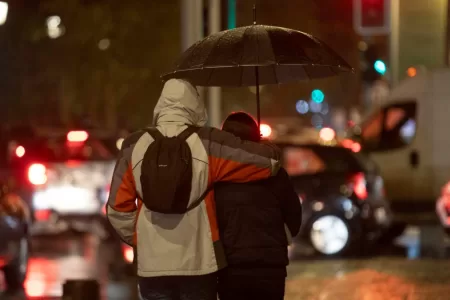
x,y
409,138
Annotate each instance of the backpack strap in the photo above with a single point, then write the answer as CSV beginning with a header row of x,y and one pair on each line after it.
x,y
185,134
200,200
154,133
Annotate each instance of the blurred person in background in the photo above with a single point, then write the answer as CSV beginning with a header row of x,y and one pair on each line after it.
x,y
178,255
256,221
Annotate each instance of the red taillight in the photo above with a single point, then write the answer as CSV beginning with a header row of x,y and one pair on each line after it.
x,y
20,151
37,174
356,147
77,136
359,186
42,215
73,163
349,144
128,253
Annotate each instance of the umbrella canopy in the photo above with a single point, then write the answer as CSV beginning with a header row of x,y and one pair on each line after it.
x,y
257,54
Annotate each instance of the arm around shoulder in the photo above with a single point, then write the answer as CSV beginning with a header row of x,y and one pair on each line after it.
x,y
233,159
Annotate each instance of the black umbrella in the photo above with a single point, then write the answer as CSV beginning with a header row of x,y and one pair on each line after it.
x,y
254,55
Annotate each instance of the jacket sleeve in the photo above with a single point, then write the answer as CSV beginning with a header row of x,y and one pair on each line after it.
x,y
122,208
289,202
235,160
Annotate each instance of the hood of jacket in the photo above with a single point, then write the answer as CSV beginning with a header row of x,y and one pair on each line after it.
x,y
180,104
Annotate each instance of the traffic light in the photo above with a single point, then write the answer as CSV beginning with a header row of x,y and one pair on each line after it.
x,y
380,66
373,65
231,14
371,17
317,96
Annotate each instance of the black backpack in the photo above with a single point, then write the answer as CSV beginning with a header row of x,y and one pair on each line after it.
x,y
166,172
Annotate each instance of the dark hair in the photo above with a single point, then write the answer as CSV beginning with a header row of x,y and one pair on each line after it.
x,y
243,126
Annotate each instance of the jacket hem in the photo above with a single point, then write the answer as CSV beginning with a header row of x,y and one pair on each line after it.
x,y
177,273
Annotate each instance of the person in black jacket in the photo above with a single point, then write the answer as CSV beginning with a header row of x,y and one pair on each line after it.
x,y
255,222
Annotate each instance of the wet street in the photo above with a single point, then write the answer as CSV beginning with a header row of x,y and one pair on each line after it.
x,y
416,268
384,278
390,273
56,259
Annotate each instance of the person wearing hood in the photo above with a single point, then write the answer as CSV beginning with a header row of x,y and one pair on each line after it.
x,y
178,256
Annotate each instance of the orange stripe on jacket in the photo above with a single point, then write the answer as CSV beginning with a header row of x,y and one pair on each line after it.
x,y
125,200
228,170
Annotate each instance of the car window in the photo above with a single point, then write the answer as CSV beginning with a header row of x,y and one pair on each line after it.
x,y
393,117
371,131
408,131
304,160
301,161
392,127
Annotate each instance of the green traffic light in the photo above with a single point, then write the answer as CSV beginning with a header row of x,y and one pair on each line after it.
x,y
380,67
231,14
317,96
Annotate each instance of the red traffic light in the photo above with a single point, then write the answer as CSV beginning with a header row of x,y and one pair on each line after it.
x,y
371,17
372,13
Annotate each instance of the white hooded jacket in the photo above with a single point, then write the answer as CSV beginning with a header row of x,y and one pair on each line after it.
x,y
187,244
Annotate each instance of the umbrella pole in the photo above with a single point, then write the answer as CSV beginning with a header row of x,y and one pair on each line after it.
x,y
258,112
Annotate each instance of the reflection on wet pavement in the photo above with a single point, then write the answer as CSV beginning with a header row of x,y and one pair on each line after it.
x,y
399,273
378,279
47,275
418,268
56,259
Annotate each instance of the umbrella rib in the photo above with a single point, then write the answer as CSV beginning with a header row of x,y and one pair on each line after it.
x,y
215,47
274,68
197,46
306,72
271,47
209,77
274,57
242,54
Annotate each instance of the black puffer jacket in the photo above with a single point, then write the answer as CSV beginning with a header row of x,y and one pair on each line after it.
x,y
252,218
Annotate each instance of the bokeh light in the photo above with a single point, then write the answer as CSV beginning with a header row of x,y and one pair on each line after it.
x,y
317,121
266,130
327,134
411,72
317,96
315,107
302,107
20,151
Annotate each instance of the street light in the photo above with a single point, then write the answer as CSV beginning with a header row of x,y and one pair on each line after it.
x,y
3,12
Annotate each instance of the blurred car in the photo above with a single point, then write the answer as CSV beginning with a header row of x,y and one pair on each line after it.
x,y
63,175
342,196
443,208
14,245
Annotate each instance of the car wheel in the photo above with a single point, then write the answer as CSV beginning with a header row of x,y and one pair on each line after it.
x,y
329,235
16,272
